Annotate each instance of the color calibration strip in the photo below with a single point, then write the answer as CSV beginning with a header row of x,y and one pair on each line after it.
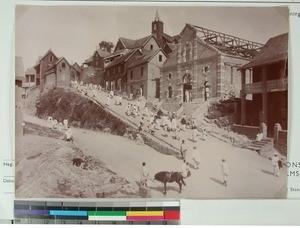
x,y
99,211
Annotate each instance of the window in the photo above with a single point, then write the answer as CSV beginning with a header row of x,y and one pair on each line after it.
x,y
151,47
131,74
142,71
154,27
63,65
170,91
160,58
50,58
170,76
188,52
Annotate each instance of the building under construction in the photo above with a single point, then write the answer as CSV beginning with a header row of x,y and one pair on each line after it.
x,y
205,65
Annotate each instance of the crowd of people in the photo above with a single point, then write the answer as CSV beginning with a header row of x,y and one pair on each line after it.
x,y
61,127
153,120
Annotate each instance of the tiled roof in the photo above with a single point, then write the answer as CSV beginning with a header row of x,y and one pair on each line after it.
x,y
102,53
121,59
30,71
132,44
147,56
276,49
168,38
76,67
123,51
90,59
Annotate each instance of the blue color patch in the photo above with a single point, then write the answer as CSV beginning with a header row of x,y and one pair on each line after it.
x,y
68,213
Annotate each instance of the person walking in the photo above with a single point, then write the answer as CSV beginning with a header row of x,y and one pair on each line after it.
x,y
195,132
144,175
225,171
185,169
183,149
204,134
275,164
108,100
196,157
68,134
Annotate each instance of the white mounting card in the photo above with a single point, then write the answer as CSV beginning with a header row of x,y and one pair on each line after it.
x,y
216,43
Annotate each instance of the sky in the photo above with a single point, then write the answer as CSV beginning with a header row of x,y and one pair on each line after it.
x,y
76,31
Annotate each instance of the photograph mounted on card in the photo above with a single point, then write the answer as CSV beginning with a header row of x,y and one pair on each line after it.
x,y
120,101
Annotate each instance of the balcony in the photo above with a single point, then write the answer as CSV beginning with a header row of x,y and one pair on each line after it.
x,y
277,85
272,86
253,88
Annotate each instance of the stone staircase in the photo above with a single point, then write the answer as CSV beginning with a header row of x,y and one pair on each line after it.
x,y
171,106
263,145
190,108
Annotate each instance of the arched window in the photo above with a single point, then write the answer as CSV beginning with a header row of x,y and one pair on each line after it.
x,y
170,92
187,78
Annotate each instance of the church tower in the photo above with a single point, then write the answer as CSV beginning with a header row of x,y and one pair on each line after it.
x,y
158,29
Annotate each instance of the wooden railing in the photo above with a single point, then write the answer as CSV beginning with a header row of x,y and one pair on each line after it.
x,y
272,86
277,85
253,88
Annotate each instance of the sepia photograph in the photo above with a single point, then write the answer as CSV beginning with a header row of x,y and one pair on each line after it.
x,y
131,101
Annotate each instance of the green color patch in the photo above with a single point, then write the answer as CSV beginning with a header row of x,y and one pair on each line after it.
x,y
106,213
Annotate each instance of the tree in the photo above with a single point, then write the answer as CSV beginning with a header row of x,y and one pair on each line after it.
x,y
106,46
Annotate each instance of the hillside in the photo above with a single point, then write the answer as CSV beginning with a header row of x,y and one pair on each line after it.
x,y
60,103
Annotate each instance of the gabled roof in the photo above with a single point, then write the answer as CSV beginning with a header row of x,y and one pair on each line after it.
x,y
57,62
40,58
225,43
275,50
90,59
133,44
123,51
102,53
60,59
76,67
122,59
19,67
30,71
146,57
168,38
48,52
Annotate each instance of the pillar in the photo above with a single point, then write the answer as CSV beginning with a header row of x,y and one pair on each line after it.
x,y
264,96
277,128
243,98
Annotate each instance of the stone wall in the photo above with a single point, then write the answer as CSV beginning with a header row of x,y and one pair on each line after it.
x,y
249,131
280,143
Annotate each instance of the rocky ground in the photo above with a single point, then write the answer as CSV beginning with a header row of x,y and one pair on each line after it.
x,y
44,168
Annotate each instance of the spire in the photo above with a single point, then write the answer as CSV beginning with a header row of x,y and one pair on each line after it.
x,y
156,16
